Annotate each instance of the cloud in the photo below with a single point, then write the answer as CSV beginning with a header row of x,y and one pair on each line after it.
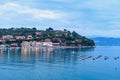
x,y
88,17
35,13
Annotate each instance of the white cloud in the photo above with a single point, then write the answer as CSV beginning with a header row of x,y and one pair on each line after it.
x,y
88,17
35,13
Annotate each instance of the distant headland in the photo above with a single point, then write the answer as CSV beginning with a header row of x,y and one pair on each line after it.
x,y
26,37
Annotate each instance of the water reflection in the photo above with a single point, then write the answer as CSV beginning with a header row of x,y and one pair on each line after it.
x,y
37,55
50,63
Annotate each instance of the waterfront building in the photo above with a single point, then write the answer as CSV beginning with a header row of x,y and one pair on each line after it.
x,y
14,45
50,44
25,44
56,44
34,43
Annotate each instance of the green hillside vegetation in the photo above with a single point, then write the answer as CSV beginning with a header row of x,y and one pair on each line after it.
x,y
64,37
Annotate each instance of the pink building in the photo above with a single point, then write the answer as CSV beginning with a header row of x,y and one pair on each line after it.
x,y
29,37
38,33
7,37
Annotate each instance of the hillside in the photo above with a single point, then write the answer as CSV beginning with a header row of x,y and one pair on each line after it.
x,y
64,37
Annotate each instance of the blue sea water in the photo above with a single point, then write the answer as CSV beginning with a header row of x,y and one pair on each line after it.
x,y
60,64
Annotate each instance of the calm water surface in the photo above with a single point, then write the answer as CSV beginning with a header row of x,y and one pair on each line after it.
x,y
60,64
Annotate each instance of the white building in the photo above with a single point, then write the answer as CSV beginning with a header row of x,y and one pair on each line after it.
x,y
47,44
35,43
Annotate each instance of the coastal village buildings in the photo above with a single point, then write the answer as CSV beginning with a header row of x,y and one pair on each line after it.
x,y
46,42
25,44
36,44
7,37
27,37
56,44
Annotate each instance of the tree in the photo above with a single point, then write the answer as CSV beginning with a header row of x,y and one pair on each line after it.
x,y
65,30
49,29
34,28
76,35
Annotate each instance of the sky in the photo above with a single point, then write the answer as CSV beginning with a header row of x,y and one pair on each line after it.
x,y
91,18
